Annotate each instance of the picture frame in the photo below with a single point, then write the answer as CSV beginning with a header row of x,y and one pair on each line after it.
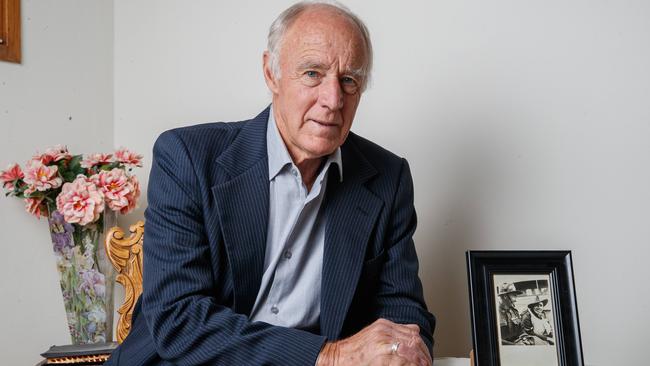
x,y
523,308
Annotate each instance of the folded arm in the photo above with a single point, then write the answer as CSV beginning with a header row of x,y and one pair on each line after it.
x,y
398,304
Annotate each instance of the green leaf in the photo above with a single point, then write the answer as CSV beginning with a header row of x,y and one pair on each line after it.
x,y
75,165
66,169
68,176
111,166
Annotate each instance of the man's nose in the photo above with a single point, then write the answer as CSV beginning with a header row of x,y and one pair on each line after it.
x,y
330,94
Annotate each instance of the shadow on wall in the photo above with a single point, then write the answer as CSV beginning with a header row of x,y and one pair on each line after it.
x,y
447,282
464,180
125,221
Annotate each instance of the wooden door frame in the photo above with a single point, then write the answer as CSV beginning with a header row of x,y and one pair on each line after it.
x,y
10,49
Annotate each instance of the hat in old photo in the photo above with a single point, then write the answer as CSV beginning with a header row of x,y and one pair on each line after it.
x,y
537,301
508,288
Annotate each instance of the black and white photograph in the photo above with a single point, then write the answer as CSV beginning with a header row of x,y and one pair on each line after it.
x,y
525,320
523,308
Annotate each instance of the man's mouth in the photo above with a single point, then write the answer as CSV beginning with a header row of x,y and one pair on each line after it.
x,y
325,124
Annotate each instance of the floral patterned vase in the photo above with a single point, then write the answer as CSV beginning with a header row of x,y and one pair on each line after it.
x,y
86,275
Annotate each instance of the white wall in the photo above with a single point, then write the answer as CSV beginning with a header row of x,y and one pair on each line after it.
x,y
61,93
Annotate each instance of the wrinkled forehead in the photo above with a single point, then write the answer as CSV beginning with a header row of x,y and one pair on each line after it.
x,y
325,31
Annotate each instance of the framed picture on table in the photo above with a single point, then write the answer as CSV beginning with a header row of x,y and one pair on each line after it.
x,y
523,308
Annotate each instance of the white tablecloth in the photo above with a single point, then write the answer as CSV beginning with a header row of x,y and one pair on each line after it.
x,y
451,361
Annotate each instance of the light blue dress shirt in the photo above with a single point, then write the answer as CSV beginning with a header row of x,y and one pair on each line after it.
x,y
289,294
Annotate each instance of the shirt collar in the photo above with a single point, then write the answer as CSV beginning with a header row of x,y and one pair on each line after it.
x,y
279,155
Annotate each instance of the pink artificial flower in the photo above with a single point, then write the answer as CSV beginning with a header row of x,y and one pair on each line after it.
x,y
41,177
36,207
91,160
127,157
116,187
80,202
53,154
132,196
11,175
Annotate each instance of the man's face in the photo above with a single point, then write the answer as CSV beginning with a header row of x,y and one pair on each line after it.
x,y
538,309
319,88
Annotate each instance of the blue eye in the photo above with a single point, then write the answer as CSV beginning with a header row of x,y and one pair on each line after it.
x,y
349,85
311,74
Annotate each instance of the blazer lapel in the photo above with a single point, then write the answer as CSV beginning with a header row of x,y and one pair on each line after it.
x,y
351,211
242,199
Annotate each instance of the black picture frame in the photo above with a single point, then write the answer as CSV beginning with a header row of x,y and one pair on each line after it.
x,y
483,267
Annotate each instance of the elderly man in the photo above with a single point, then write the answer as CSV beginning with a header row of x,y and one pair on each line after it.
x,y
285,239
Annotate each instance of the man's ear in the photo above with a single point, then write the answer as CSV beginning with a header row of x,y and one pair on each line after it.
x,y
269,77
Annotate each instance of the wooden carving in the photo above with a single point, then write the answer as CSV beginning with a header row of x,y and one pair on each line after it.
x,y
126,256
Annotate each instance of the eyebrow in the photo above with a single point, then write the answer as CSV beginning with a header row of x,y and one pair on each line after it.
x,y
309,64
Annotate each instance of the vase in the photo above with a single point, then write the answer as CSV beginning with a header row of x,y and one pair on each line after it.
x,y
86,276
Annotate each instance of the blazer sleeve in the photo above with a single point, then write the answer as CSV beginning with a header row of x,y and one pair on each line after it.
x,y
187,324
400,296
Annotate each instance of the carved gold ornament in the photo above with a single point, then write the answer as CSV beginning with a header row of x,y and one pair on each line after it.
x,y
126,256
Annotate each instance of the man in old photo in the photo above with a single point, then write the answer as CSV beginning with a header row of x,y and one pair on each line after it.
x,y
285,239
509,317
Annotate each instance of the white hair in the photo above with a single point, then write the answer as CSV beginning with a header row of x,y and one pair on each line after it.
x,y
280,25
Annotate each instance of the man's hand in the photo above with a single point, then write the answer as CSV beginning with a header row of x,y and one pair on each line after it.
x,y
374,345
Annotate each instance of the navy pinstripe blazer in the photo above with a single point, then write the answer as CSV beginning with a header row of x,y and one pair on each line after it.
x,y
205,243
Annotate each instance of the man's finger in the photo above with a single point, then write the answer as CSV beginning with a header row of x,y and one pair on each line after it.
x,y
411,346
418,342
408,350
408,335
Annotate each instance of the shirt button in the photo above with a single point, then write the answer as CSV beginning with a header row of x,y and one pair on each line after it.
x,y
294,172
287,254
274,309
